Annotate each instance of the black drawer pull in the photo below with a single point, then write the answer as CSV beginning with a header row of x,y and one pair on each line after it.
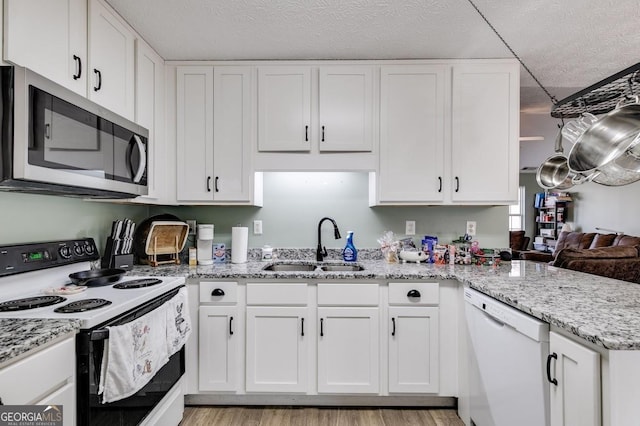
x,y
306,133
321,328
322,134
99,75
231,326
215,184
217,292
549,357
78,67
413,293
393,321
439,183
457,184
302,327
208,183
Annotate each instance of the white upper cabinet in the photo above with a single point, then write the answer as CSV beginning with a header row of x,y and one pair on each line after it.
x,y
412,124
214,134
50,38
346,108
485,129
82,45
150,114
111,60
284,108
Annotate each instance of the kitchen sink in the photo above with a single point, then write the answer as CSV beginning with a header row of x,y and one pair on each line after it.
x,y
289,267
340,268
297,267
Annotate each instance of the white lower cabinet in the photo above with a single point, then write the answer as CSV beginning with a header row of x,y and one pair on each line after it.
x,y
218,349
413,349
276,349
348,350
46,377
575,389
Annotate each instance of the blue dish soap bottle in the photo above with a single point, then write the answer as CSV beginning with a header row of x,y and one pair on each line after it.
x,y
349,254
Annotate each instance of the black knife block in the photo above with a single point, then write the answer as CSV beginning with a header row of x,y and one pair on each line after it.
x,y
117,261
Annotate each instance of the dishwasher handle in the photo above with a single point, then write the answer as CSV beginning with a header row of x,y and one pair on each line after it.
x,y
549,358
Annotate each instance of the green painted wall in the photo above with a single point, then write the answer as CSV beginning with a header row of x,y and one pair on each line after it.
x,y
295,202
33,218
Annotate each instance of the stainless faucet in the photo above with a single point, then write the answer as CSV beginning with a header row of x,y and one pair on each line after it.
x,y
321,251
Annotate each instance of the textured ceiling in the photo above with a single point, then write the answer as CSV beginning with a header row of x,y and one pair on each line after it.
x,y
565,43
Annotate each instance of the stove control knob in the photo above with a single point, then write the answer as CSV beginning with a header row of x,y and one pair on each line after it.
x,y
78,250
89,249
64,252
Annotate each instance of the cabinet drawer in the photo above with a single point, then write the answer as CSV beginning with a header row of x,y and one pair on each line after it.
x,y
280,294
348,295
425,294
34,377
226,292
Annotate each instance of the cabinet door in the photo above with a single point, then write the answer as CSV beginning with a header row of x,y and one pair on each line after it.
x,y
277,357
485,108
232,133
66,397
575,399
50,38
413,349
284,108
412,117
111,60
218,348
194,124
346,108
348,350
150,114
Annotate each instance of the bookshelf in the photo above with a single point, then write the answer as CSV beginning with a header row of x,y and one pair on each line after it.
x,y
551,214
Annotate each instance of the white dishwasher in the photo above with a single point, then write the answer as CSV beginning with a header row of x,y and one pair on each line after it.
x,y
508,352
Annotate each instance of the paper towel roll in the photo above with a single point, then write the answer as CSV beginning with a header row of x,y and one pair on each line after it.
x,y
239,244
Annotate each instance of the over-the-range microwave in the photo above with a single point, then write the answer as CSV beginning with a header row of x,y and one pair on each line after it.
x,y
54,141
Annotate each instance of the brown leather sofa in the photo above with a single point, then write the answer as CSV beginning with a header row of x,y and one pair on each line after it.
x,y
609,255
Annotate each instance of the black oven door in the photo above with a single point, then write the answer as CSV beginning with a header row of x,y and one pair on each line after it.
x,y
133,409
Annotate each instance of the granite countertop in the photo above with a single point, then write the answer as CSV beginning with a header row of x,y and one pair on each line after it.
x,y
18,336
601,310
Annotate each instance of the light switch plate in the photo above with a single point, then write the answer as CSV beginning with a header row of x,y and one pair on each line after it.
x,y
257,227
471,227
410,227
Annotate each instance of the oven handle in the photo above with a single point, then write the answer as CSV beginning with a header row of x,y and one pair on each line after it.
x,y
102,333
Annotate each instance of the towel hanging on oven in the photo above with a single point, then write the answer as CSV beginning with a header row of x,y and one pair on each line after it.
x,y
133,354
178,321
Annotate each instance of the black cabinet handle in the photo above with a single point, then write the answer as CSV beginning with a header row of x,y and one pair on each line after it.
x,y
321,328
99,75
217,292
549,357
231,326
413,293
208,183
439,183
393,321
322,133
457,184
78,67
215,184
302,327
306,133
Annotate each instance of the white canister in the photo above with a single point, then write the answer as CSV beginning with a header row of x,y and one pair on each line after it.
x,y
267,253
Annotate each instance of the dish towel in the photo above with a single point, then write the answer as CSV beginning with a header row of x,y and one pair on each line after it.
x,y
133,354
178,321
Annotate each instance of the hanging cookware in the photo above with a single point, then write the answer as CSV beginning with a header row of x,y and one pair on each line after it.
x,y
554,173
608,148
96,277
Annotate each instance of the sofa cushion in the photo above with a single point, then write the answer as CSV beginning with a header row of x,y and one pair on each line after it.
x,y
566,255
626,240
627,269
574,240
602,240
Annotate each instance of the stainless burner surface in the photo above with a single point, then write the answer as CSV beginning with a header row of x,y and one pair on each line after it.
x,y
82,305
30,303
145,282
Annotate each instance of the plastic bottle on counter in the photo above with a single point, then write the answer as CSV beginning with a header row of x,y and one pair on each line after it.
x,y
350,254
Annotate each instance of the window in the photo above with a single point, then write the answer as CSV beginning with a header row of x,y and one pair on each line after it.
x,y
516,212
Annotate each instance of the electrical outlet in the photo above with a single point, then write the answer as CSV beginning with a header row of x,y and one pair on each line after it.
x,y
471,227
410,227
257,227
192,226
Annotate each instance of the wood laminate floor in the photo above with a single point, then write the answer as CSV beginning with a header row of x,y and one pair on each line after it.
x,y
315,416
